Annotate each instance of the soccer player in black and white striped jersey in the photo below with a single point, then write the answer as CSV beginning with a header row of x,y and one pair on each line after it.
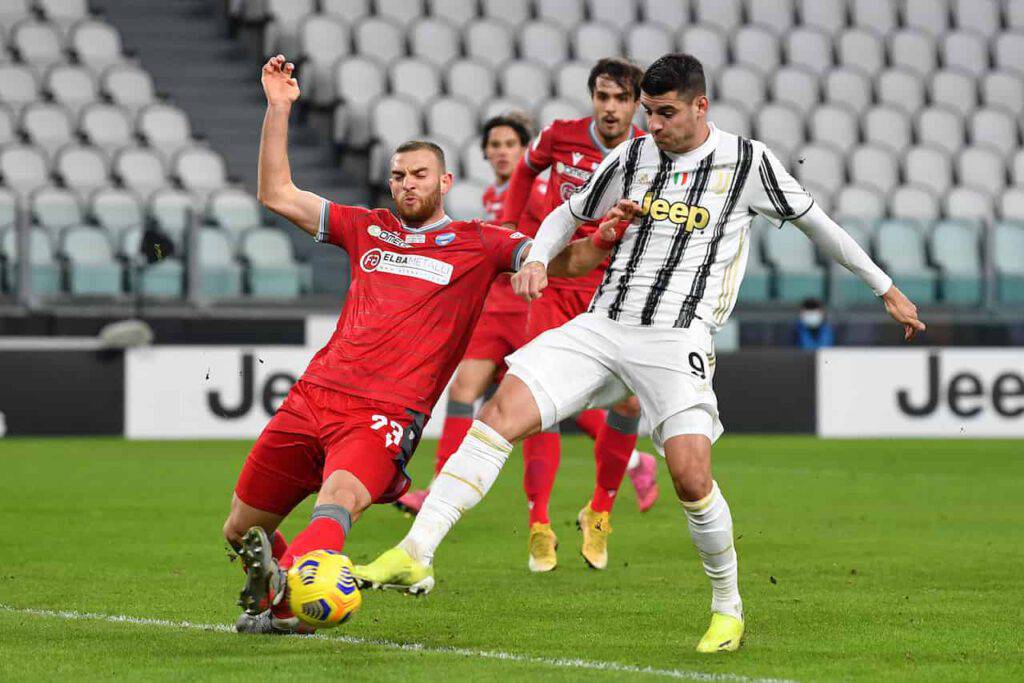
x,y
673,281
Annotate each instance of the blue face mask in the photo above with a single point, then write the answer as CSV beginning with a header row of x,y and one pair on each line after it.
x,y
812,318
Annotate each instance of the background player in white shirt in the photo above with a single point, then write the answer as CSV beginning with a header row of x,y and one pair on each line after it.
x,y
672,281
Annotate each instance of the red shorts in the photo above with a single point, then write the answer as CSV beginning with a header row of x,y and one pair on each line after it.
x,y
556,307
497,334
317,431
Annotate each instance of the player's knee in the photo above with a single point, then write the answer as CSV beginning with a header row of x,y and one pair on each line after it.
x,y
463,390
629,408
692,486
342,488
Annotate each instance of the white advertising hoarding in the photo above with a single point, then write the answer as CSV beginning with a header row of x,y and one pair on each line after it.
x,y
947,392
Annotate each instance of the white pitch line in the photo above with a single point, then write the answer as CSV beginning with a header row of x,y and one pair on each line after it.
x,y
561,663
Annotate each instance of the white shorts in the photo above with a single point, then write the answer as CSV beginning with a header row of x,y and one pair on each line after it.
x,y
593,361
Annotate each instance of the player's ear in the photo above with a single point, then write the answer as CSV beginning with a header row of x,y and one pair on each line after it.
x,y
446,182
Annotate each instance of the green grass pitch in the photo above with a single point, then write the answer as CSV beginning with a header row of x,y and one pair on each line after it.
x,y
859,560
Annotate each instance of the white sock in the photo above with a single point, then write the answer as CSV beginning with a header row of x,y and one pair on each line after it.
x,y
634,460
462,483
710,525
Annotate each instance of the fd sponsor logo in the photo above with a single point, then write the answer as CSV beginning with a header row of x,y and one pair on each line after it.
x,y
387,236
680,213
573,172
407,265
444,239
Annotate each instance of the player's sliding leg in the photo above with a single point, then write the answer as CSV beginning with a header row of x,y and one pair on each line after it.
x,y
466,478
541,455
688,456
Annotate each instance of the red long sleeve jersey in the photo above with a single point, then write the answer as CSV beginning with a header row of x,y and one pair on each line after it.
x,y
414,299
572,150
501,298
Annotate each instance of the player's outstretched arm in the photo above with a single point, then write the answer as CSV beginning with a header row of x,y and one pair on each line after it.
x,y
838,244
583,255
276,190
552,236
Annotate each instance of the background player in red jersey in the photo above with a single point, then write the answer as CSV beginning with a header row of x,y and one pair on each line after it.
x,y
352,421
572,150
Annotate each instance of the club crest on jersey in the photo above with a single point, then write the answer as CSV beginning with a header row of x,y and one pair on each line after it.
x,y
721,182
407,265
679,213
387,236
444,239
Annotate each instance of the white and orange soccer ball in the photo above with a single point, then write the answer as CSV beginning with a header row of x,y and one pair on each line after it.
x,y
322,591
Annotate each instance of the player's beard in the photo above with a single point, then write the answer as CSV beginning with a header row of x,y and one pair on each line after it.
x,y
422,211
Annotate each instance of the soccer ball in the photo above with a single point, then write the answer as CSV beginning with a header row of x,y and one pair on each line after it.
x,y
322,590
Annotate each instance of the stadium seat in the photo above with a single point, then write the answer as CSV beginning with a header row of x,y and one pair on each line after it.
x,y
979,16
927,16
512,14
395,119
47,126
995,128
349,11
875,167
592,41
220,275
544,43
571,83
525,80
797,87
902,89
723,15
358,82
73,87
646,42
54,209
809,48
1008,260
706,44
463,201
170,210
8,206
822,197
1003,89
116,210
23,168
140,170
471,80
458,13
1007,50
452,118
877,16
913,50
129,87
860,201
81,168
781,127
968,203
39,44
756,286
613,12
503,105
928,167
848,87
13,11
741,85
955,90
165,128
435,41
797,273
1014,14
778,15
401,12
96,45
822,164
91,268
730,117
323,40
899,245
414,79
965,51
44,275
913,202
955,248
272,270
981,167
474,166
8,126
888,127
829,17
281,32
941,128
63,13
489,41
566,14
107,127
380,39
756,47
1017,167
557,109
1011,204
234,210
200,170
670,14
163,278
834,125
862,49
19,86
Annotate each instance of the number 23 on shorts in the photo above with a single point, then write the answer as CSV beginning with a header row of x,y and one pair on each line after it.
x,y
394,436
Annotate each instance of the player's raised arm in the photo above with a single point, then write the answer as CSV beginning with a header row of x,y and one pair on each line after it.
x,y
583,255
276,190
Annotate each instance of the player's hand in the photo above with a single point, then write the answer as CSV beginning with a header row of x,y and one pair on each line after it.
x,y
530,281
279,83
903,311
616,221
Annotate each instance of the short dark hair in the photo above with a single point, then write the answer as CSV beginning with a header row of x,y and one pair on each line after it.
x,y
624,72
678,71
419,145
510,119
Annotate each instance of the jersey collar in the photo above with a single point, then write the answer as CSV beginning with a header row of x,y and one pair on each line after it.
x,y
592,131
500,189
440,223
698,153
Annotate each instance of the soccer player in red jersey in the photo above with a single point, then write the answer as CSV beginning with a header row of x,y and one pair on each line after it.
x,y
572,150
352,421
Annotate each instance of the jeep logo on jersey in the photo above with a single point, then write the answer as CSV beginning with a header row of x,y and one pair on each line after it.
x,y
387,236
680,213
407,265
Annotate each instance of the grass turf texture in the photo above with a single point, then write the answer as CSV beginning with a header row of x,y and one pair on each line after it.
x,y
859,560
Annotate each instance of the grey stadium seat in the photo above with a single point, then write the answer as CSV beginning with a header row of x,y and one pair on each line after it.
x,y
63,13
281,32
809,48
956,250
756,47
23,168
981,167
902,89
797,273
829,17
1008,258
272,271
115,209
220,275
44,272
1014,14
848,87
200,170
797,87
557,109
571,82
980,16
1007,50
1011,204
954,90
513,14
874,166
613,12
349,10
966,51
1003,89
54,208
8,206
822,164
941,128
995,128
592,41
129,87
402,12
73,87
927,16
358,82
8,126
913,202
899,245
91,268
1017,167
888,127
525,80
395,119
38,43
566,14
778,15
463,201
646,42
458,13
706,44
415,79
780,127
97,45
323,39
47,126
435,41
834,125
379,38
474,166
724,15
489,41
860,201
170,209
163,278
755,288
730,117
141,170
165,128
81,168
13,11
878,16
861,49
741,85
928,167
471,80
669,13
968,203
544,43
19,86
107,127
913,50
233,209
452,118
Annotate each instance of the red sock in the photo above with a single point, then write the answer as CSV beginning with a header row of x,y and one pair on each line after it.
x,y
591,421
279,545
323,533
452,433
611,453
541,454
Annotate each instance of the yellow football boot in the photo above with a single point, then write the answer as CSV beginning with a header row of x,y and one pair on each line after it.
x,y
543,544
395,569
724,634
596,526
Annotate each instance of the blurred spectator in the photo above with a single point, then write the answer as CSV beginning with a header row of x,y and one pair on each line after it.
x,y
812,330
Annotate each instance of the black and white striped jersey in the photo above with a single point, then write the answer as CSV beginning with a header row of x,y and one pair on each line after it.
x,y
682,259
